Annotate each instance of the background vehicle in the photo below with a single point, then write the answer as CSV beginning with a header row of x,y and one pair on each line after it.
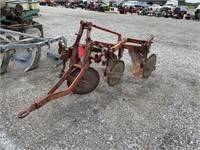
x,y
144,4
135,9
197,13
61,2
172,4
183,9
128,4
103,7
43,2
154,7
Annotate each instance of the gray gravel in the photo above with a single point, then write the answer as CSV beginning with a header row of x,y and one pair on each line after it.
x,y
162,112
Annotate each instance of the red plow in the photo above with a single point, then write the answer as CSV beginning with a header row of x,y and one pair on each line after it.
x,y
81,78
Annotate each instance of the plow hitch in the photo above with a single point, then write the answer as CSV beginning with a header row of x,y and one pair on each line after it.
x,y
81,78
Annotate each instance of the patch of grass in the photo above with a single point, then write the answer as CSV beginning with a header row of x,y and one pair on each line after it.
x,y
191,7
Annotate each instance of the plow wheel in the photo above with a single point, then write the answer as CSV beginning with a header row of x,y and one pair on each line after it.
x,y
87,84
116,73
149,66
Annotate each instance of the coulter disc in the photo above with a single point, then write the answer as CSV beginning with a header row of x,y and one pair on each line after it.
x,y
116,73
88,82
111,61
150,66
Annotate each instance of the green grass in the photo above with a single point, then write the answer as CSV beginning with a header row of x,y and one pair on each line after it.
x,y
191,7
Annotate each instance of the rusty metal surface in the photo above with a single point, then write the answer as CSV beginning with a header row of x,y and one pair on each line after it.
x,y
88,82
149,67
116,73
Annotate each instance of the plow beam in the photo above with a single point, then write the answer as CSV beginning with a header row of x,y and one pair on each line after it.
x,y
51,95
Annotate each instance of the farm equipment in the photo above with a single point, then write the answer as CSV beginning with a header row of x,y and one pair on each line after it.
x,y
18,16
81,78
113,10
104,7
25,49
18,12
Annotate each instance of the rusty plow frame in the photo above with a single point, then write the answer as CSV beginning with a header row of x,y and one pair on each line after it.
x,y
81,78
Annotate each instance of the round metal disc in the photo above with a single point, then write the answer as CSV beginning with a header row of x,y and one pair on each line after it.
x,y
116,73
151,62
87,84
111,61
23,59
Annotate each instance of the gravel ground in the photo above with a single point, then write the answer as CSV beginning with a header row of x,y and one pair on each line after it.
x,y
161,112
